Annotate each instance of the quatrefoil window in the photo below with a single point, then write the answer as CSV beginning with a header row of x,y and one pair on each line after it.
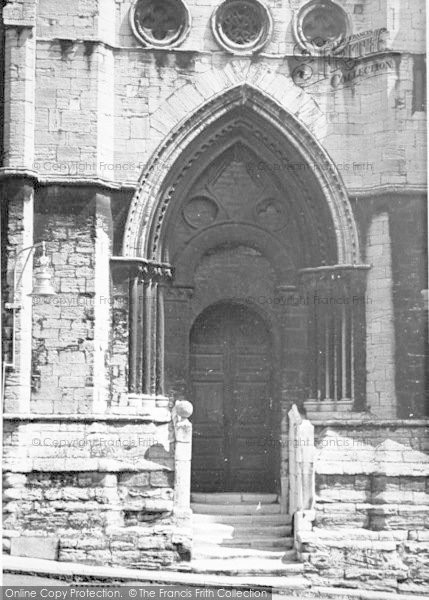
x,y
160,23
242,25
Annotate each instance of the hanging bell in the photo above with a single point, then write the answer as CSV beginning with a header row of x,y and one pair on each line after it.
x,y
43,285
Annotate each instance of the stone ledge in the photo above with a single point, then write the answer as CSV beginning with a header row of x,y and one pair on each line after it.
x,y
378,190
348,507
13,172
94,465
330,409
400,469
335,542
359,534
47,179
159,415
14,22
366,420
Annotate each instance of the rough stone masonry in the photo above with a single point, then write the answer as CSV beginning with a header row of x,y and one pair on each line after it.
x,y
180,155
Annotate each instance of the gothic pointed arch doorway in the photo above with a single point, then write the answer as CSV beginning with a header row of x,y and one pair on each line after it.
x,y
244,206
231,388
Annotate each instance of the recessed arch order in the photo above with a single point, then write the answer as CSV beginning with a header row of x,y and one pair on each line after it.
x,y
143,236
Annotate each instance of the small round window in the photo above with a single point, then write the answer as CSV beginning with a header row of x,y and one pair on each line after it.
x,y
242,26
322,26
160,23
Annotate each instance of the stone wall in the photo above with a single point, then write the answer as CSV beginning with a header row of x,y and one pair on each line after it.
x,y
76,65
405,345
64,326
79,135
78,513
371,510
409,265
100,492
119,355
86,107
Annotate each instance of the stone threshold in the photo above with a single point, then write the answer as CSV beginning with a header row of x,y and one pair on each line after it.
x,y
67,571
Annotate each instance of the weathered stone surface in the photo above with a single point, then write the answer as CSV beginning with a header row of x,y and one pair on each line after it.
x,y
81,98
35,547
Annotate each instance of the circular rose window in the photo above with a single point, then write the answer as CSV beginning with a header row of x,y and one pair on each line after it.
x,y
160,23
200,212
242,26
322,26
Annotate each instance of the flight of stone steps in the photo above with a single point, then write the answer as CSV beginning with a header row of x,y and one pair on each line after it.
x,y
242,534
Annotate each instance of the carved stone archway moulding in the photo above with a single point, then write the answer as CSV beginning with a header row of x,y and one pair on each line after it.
x,y
149,206
237,140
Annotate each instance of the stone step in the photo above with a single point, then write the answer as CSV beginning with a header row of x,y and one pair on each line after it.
x,y
254,520
261,543
215,551
234,498
274,544
217,530
236,509
246,566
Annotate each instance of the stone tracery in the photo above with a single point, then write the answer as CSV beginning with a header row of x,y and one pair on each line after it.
x,y
146,217
242,25
160,24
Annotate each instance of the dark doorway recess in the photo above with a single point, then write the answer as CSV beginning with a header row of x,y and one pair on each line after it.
x,y
230,383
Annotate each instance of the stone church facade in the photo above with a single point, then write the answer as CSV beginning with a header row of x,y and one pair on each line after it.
x,y
232,197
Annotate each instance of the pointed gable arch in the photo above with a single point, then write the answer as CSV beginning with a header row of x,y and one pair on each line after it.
x,y
188,139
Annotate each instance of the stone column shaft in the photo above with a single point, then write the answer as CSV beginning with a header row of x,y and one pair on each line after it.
x,y
147,329
160,351
380,338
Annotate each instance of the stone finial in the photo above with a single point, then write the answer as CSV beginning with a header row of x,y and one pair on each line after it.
x,y
184,409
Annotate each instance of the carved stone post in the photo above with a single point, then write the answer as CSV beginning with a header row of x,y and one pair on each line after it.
x,y
302,470
182,460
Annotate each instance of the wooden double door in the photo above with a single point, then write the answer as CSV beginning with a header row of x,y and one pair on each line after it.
x,y
231,387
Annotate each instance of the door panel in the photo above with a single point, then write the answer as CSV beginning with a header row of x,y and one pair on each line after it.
x,y
230,382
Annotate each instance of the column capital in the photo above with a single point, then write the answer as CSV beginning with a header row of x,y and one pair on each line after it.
x,y
146,270
331,276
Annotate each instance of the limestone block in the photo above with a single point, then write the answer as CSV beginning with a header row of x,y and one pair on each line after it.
x,y
161,479
14,480
35,547
153,543
134,479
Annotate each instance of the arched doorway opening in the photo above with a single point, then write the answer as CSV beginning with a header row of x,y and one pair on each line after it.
x,y
245,205
231,388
